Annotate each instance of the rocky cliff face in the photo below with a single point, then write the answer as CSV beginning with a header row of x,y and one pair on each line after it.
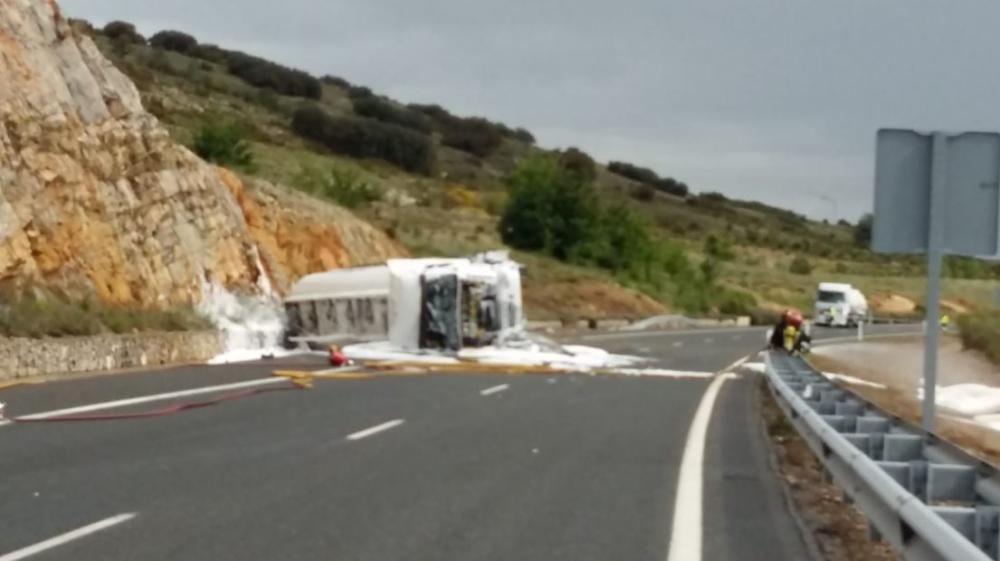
x,y
95,197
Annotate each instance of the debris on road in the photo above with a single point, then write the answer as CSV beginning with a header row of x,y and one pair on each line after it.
x,y
852,381
515,349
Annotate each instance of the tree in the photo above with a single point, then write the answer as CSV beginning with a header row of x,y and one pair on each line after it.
x,y
863,230
337,81
634,172
474,135
524,135
123,31
366,138
549,210
579,162
224,144
382,110
174,41
263,73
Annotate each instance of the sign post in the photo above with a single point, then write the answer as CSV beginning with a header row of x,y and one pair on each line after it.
x,y
939,178
937,194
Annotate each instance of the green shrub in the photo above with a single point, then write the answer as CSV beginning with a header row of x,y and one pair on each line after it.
x,y
718,249
981,332
174,41
474,135
435,112
840,268
649,177
737,303
556,211
671,186
366,138
548,210
524,135
622,243
263,73
337,81
386,112
800,266
633,172
224,144
574,160
123,31
210,53
456,127
341,184
359,92
40,314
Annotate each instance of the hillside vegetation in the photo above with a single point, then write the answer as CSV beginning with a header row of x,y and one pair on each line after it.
x,y
598,240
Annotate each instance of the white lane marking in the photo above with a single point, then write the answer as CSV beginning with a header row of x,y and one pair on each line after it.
x,y
737,364
150,398
495,389
4,423
373,430
709,340
678,344
686,534
337,370
67,537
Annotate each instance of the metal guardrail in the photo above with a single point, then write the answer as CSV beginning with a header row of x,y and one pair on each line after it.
x,y
927,499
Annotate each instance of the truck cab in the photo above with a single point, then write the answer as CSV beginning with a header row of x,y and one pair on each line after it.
x,y
840,305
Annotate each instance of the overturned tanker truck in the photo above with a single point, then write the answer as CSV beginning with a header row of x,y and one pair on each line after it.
x,y
433,303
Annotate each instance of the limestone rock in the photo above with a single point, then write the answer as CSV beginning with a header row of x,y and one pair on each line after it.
x,y
96,198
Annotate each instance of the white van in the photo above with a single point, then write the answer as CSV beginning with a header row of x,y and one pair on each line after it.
x,y
840,305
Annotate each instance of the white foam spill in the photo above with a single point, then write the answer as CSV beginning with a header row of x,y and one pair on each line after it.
x,y
851,380
569,357
251,324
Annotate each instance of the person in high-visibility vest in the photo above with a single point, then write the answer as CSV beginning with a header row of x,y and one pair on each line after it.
x,y
945,321
787,334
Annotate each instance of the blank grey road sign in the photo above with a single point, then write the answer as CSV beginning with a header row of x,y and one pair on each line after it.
x,y
968,207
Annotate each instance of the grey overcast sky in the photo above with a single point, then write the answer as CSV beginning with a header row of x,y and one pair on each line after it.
x,y
772,100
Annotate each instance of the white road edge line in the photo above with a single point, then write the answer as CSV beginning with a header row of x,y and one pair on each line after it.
x,y
149,399
67,537
371,431
686,534
495,389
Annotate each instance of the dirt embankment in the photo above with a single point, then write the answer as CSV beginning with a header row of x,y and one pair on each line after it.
x,y
586,299
896,371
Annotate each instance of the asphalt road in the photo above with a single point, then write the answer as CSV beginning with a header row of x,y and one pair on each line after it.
x,y
434,467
